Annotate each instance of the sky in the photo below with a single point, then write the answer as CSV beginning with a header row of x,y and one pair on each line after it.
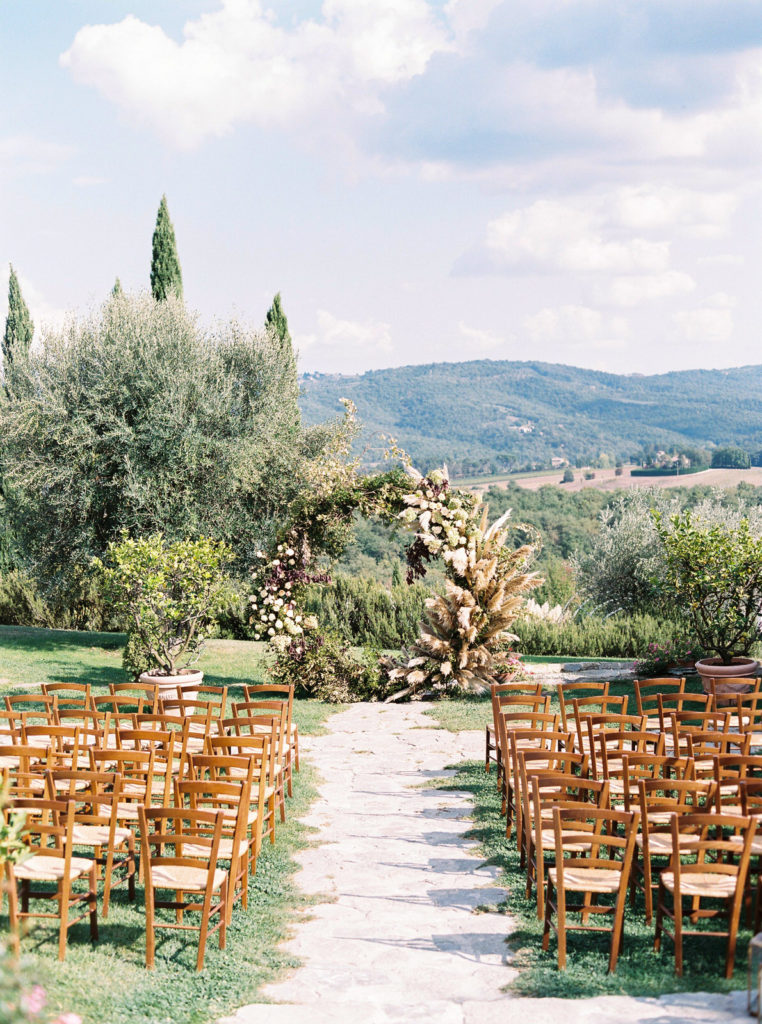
x,y
574,181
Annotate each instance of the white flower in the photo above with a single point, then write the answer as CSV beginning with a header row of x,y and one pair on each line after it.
x,y
278,624
291,561
271,617
276,561
425,519
290,552
298,618
289,613
271,631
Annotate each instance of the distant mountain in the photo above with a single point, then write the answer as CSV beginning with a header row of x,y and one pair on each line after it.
x,y
487,415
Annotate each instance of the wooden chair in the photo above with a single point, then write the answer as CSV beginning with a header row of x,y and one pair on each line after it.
x,y
606,729
750,806
249,769
670,703
600,708
531,762
280,709
256,750
660,800
96,796
496,690
516,712
567,692
551,790
161,743
197,718
681,724
48,832
37,708
279,691
647,696
231,797
519,730
183,872
612,749
746,715
270,725
548,742
604,869
717,871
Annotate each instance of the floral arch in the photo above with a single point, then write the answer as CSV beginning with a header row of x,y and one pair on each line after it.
x,y
464,640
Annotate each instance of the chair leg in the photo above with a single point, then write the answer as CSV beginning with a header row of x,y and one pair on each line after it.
x,y
561,925
224,900
63,930
659,918
647,886
730,956
487,749
678,905
150,928
93,903
13,910
548,907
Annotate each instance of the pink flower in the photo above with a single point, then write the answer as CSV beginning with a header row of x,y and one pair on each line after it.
x,y
34,1001
68,1018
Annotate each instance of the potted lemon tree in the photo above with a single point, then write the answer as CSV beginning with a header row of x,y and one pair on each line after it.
x,y
169,594
713,574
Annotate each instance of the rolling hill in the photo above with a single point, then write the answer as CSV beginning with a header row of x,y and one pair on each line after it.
x,y
491,416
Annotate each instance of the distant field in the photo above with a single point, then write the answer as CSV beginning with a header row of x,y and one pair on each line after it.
x,y
607,480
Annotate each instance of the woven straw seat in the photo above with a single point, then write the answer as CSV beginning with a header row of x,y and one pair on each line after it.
x,y
549,838
588,879
701,884
225,851
187,879
97,835
51,869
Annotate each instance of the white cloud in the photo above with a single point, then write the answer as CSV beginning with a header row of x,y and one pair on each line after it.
x,y
349,344
550,236
705,325
576,327
480,340
88,181
634,289
236,64
26,154
657,207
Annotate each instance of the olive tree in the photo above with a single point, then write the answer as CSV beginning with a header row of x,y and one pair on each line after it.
x,y
137,419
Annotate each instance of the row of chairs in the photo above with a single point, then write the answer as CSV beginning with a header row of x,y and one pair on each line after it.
x,y
191,784
591,778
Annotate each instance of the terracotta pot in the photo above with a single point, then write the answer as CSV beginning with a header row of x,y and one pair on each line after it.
x,y
168,684
729,678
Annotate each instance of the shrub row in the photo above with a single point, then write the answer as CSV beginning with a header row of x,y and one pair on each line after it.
x,y
620,636
363,612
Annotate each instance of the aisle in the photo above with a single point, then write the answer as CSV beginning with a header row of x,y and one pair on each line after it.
x,y
401,939
399,935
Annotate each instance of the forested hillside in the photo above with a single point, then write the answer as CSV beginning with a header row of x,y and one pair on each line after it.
x,y
488,416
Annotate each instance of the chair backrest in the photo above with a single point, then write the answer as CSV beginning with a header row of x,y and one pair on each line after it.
x,y
192,835
612,747
700,848
93,726
750,794
647,767
567,692
38,706
68,695
95,794
682,704
148,691
726,690
10,725
658,798
607,838
63,741
746,711
136,768
231,798
48,827
647,693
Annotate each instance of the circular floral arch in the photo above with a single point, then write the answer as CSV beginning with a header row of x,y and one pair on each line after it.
x,y
465,637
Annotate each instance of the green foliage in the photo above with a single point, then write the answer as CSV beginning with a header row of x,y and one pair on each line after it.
x,y
170,594
713,573
490,416
135,419
363,612
730,458
568,477
276,319
117,289
19,328
166,276
323,665
620,636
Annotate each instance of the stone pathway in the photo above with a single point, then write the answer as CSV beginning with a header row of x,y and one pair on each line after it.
x,y
404,933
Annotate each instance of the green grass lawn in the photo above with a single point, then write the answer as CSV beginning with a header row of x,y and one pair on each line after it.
x,y
29,656
640,971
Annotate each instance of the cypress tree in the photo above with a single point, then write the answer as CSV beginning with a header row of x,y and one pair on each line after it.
x,y
19,328
166,276
276,319
117,289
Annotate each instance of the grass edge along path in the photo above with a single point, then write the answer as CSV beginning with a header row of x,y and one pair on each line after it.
x,y
640,971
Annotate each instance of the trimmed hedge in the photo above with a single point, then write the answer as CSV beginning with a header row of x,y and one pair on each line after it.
x,y
620,636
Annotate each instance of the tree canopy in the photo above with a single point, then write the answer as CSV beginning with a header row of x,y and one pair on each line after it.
x,y
166,276
19,329
137,419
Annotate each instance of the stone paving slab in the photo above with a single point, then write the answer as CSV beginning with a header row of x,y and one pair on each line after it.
x,y
404,932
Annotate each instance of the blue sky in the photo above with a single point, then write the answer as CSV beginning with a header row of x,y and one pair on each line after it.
x,y
569,180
